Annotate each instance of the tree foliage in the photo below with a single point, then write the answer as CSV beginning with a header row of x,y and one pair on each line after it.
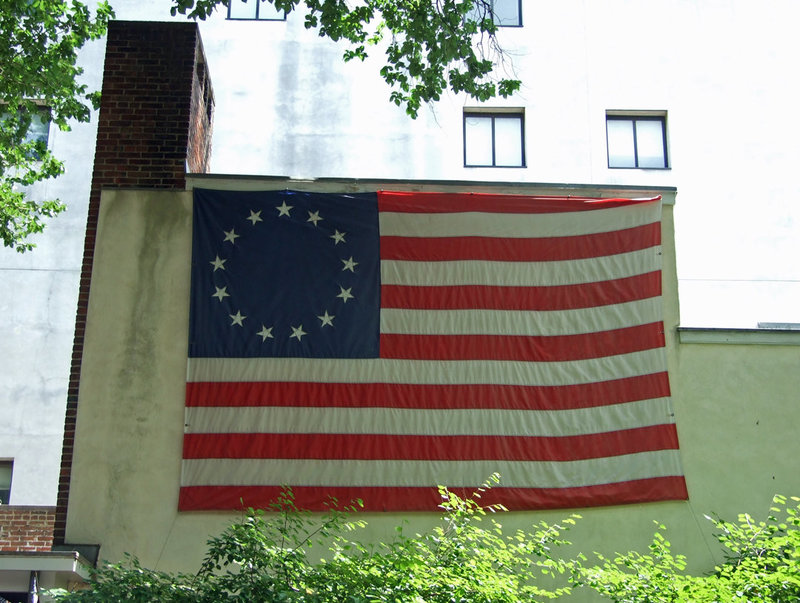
x,y
39,76
264,557
429,45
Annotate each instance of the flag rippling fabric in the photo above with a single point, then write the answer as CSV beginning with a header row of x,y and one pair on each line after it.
x,y
377,345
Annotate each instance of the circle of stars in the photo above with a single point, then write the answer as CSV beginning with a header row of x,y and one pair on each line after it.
x,y
295,332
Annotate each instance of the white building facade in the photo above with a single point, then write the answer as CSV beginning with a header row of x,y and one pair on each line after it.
x,y
702,87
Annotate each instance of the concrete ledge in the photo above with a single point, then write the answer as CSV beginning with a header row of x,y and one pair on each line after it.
x,y
61,569
244,182
739,336
70,562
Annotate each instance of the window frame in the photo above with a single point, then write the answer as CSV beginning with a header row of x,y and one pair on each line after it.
x,y
256,18
5,500
519,13
44,113
494,114
634,117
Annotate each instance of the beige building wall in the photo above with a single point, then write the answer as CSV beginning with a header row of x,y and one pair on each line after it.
x,y
736,405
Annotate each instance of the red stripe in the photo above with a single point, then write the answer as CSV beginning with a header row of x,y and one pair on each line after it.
x,y
547,249
563,297
202,498
415,202
548,348
428,448
404,395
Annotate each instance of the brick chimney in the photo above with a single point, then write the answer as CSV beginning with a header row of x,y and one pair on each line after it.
x,y
155,125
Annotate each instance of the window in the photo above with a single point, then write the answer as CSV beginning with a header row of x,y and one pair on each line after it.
x,y
260,10
5,481
637,141
38,130
505,13
494,139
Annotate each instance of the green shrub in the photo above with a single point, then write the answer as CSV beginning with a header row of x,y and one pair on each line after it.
x,y
762,563
264,557
467,558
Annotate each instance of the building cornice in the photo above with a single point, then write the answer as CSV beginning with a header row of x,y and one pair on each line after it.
x,y
739,336
243,182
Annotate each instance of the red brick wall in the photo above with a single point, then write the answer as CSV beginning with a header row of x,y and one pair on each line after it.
x,y
202,111
155,119
26,528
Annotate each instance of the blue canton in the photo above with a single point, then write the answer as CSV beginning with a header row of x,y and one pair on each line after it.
x,y
284,274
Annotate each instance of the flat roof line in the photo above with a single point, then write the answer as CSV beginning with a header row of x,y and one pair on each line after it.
x,y
409,181
770,336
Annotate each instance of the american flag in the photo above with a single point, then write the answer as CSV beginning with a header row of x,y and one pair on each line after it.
x,y
377,345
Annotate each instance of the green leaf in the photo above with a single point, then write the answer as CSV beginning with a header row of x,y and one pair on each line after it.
x,y
39,42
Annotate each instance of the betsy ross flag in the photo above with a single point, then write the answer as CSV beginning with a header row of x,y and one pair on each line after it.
x,y
377,345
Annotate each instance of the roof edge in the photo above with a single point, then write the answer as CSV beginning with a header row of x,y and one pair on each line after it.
x,y
770,336
247,182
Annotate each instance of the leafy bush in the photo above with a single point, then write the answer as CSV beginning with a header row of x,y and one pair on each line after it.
x,y
762,563
264,557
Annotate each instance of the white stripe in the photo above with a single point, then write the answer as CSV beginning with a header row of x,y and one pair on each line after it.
x,y
526,323
376,370
429,422
455,474
520,274
484,224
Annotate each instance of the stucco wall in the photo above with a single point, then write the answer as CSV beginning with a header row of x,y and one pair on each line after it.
x,y
38,316
736,410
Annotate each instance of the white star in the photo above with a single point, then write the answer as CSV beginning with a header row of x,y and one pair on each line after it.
x,y
298,332
237,318
221,293
255,216
283,209
326,319
265,333
349,264
345,293
314,217
231,236
218,263
338,237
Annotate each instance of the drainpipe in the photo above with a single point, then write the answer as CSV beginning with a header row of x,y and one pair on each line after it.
x,y
33,588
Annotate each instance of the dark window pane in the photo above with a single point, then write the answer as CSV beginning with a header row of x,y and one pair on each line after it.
x,y
5,481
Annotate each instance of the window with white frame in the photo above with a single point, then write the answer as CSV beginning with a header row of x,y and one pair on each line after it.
x,y
504,13
254,10
637,141
494,139
5,481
